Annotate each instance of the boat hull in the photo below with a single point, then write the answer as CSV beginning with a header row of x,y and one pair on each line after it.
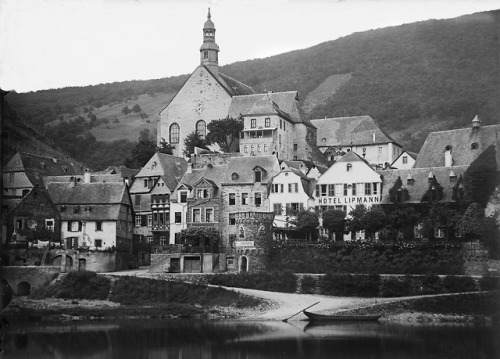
x,y
313,317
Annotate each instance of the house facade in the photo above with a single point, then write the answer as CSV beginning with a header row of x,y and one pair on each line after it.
x,y
405,160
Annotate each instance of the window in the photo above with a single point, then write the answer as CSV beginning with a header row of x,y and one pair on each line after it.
x,y
258,175
98,224
146,182
267,122
323,189
280,139
339,189
232,199
205,53
354,189
375,188
380,149
232,219
331,190
150,220
368,189
252,147
137,199
293,187
74,226
150,239
245,149
202,193
196,215
244,198
183,196
438,233
417,231
178,217
348,167
258,199
163,240
209,215
345,189
265,148
41,207
474,146
19,223
11,177
98,243
277,209
258,148
253,123
174,133
137,221
295,147
317,190
201,129
234,176
405,159
49,224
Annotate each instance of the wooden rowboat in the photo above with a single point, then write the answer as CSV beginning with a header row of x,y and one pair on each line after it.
x,y
313,317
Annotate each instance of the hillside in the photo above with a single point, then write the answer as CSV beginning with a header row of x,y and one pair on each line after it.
x,y
411,78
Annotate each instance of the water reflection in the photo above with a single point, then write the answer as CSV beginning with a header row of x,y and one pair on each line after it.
x,y
237,339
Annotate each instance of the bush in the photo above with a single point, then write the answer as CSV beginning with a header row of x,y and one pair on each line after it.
x,y
489,282
308,284
275,281
456,284
397,287
351,285
431,284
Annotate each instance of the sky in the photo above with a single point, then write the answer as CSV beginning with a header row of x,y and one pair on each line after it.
x,y
47,44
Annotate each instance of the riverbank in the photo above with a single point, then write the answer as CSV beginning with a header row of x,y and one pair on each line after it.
x,y
466,308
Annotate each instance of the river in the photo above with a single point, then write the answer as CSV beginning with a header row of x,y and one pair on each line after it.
x,y
140,339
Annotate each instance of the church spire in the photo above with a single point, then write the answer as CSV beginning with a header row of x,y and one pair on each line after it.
x,y
209,51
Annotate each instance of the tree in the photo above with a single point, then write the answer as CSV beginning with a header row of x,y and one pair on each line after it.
x,y
307,222
353,224
166,147
191,141
142,152
126,110
200,237
334,221
137,108
373,221
481,178
225,132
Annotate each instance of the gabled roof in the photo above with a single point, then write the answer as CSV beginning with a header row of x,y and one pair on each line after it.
x,y
352,156
348,131
244,168
460,142
123,171
287,102
36,167
411,154
169,168
305,182
213,174
420,184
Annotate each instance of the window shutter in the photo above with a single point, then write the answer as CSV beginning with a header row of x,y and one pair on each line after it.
x,y
69,226
79,226
144,220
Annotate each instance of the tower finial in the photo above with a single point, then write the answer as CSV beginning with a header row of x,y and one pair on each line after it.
x,y
209,16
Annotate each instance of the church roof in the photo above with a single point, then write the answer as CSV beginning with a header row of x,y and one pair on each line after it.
x,y
460,141
287,102
348,131
234,87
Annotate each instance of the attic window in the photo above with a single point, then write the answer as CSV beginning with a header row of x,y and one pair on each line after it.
x,y
87,208
453,177
76,209
410,179
448,148
234,176
474,146
258,175
323,139
153,165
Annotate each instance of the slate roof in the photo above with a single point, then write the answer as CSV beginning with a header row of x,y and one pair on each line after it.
x,y
460,140
347,131
234,87
213,174
103,200
287,102
420,184
244,167
36,167
123,171
169,168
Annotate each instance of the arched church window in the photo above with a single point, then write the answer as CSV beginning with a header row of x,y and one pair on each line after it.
x,y
201,129
174,133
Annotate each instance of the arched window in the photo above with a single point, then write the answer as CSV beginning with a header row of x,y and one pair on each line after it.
x,y
474,146
201,129
174,133
234,176
242,232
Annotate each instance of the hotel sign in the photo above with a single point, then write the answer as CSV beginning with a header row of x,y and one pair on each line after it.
x,y
244,244
349,200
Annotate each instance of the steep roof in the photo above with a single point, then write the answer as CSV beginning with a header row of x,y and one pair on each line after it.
x,y
418,188
213,174
287,102
347,131
36,167
234,87
244,167
460,141
169,168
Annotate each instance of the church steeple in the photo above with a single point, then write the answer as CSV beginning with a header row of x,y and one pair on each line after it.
x,y
209,51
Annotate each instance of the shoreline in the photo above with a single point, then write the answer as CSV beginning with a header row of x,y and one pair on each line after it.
x,y
395,310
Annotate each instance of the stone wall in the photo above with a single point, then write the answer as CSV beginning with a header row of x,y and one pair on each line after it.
x,y
24,279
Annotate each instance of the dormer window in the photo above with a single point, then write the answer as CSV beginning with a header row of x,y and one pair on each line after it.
x,y
234,176
474,146
153,165
348,167
183,197
258,175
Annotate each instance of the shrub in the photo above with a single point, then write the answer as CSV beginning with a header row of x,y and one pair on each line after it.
x,y
489,282
351,285
456,284
308,284
284,281
431,284
397,287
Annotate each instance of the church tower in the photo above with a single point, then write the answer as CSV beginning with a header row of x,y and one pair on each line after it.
x,y
209,51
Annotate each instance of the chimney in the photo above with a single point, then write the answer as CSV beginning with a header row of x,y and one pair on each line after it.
x,y
189,168
476,123
86,176
448,159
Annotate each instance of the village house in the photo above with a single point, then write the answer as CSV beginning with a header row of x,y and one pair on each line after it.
x,y
245,188
405,160
359,134
291,192
348,182
151,192
312,170
96,221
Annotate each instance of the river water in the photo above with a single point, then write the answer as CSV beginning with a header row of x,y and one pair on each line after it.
x,y
141,339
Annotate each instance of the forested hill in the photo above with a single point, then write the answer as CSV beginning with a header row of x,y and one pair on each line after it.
x,y
411,78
